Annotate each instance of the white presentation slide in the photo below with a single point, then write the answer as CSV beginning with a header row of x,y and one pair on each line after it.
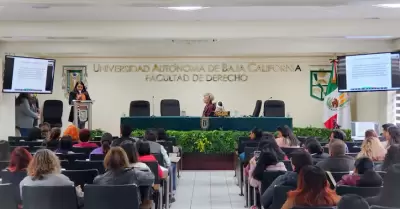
x,y
29,74
361,127
369,71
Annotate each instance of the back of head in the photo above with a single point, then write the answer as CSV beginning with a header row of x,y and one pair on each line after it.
x,y
300,158
55,133
308,140
143,148
72,131
386,126
314,147
337,148
126,131
116,159
65,143
106,140
20,158
34,134
44,162
363,165
130,150
257,133
370,133
288,134
392,156
272,147
84,135
391,187
150,135
394,133
339,134
352,201
162,134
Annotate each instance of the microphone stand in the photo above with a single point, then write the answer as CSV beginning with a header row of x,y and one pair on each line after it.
x,y
153,107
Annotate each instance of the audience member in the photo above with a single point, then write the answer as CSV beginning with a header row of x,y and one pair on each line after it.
x,y
143,148
286,138
65,145
372,147
352,201
388,197
133,156
338,161
315,149
34,134
255,135
392,157
162,135
312,190
385,134
338,134
73,132
84,138
19,161
45,129
392,136
106,140
126,132
363,175
150,136
53,140
300,158
45,170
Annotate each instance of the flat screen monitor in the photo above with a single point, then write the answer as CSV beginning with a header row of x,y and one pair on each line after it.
x,y
369,72
28,75
358,129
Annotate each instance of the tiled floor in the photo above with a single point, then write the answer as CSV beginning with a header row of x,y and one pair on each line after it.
x,y
208,190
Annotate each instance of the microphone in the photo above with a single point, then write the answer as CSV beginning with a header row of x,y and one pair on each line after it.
x,y
153,106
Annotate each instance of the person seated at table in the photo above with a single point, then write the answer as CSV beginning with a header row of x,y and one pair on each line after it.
x,y
352,201
337,134
45,170
84,138
300,159
389,195
73,132
52,141
363,175
338,161
145,155
126,132
313,190
371,147
286,138
313,146
392,157
256,134
150,136
65,146
105,141
209,109
34,134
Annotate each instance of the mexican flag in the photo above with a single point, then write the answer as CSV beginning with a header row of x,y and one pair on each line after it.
x,y
336,105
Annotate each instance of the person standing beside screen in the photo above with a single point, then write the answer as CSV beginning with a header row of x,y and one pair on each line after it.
x,y
24,116
209,109
78,93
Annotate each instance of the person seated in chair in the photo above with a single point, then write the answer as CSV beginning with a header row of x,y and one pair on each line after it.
x,y
45,129
53,140
73,132
338,134
65,146
34,134
352,201
286,138
145,155
363,175
313,146
256,134
105,141
150,137
338,161
19,160
126,132
84,138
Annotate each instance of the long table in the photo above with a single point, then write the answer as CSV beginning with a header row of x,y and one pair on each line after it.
x,y
181,123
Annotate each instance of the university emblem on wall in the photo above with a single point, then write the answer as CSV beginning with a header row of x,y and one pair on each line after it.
x,y
319,80
71,75
204,123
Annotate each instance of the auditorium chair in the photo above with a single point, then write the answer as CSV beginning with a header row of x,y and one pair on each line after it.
x,y
114,196
84,150
167,146
380,207
289,150
274,108
280,195
12,139
160,159
13,178
72,157
60,197
170,107
88,165
98,157
288,165
158,190
257,109
4,150
139,108
81,177
268,177
361,191
4,164
381,173
7,199
53,112
306,207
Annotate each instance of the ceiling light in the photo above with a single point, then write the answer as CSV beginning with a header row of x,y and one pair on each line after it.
x,y
368,37
388,5
189,8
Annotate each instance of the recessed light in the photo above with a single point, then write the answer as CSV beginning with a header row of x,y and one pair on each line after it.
x,y
388,5
368,37
185,8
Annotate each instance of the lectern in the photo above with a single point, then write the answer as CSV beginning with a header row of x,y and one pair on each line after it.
x,y
83,112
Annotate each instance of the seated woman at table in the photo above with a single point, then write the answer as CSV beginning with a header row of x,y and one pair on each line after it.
x,y
209,109
286,138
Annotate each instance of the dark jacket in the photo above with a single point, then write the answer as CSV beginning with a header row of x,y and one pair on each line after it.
x,y
319,157
125,176
118,142
209,110
337,163
52,144
287,179
72,96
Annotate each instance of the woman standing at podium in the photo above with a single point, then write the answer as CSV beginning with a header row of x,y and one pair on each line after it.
x,y
209,109
78,93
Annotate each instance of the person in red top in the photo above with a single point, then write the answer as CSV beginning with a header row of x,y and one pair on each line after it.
x,y
209,109
84,137
145,155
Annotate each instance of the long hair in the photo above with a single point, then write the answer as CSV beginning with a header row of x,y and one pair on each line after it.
x,y
20,158
81,83
43,162
21,98
106,141
55,134
116,159
372,148
392,157
131,151
288,136
394,133
391,188
313,188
